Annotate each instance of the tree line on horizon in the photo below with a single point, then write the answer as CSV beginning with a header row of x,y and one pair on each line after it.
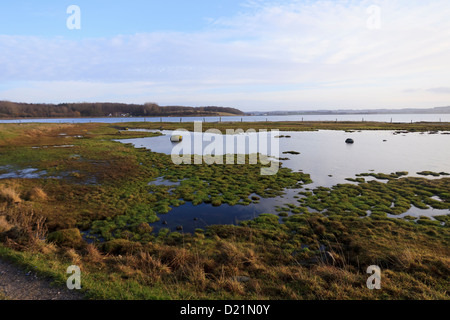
x,y
75,110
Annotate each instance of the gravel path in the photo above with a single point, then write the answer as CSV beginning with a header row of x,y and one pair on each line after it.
x,y
20,284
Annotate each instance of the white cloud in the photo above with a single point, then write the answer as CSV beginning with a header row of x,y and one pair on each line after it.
x,y
441,90
283,54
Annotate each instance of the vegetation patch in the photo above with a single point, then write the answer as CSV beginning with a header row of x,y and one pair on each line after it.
x,y
67,238
434,174
383,176
316,248
395,197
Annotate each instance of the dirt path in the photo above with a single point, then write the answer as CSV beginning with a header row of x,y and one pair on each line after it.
x,y
20,284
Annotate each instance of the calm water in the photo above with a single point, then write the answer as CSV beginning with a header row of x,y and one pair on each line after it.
x,y
325,153
375,117
326,157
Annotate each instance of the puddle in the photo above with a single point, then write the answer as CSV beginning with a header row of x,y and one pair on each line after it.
x,y
65,146
28,173
417,213
61,146
192,217
437,198
164,182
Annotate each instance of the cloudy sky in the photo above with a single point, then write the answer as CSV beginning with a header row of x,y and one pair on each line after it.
x,y
249,54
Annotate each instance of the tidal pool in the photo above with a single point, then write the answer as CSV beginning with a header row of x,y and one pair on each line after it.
x,y
191,217
329,160
322,154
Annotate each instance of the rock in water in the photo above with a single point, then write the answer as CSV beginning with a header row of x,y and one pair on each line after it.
x,y
349,141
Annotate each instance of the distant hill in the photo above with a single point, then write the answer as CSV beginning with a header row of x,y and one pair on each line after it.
x,y
437,110
75,110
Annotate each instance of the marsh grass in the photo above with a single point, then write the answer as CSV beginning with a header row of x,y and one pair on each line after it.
x,y
10,194
23,227
395,197
4,224
299,126
37,194
264,258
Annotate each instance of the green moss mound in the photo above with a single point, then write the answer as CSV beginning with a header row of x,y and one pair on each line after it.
x,y
67,238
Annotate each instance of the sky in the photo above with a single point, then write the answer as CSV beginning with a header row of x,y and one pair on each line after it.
x,y
255,55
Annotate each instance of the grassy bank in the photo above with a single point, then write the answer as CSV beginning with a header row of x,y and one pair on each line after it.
x,y
88,187
298,126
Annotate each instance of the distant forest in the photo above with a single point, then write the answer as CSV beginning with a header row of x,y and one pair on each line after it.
x,y
75,110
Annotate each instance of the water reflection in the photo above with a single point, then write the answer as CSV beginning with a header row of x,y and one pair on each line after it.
x,y
28,173
417,213
329,161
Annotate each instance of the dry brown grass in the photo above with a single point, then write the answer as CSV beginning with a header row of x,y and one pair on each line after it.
x,y
73,256
46,248
28,225
10,194
234,286
37,194
230,254
4,224
140,265
404,258
151,265
92,254
176,258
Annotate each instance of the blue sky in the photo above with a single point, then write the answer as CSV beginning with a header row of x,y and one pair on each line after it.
x,y
106,18
249,54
